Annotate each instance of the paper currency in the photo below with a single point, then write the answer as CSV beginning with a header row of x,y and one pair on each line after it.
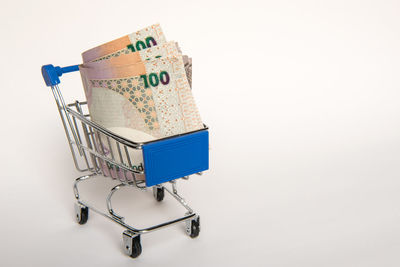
x,y
169,49
139,86
151,96
140,40
127,56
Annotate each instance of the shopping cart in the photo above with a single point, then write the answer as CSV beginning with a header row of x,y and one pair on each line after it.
x,y
102,152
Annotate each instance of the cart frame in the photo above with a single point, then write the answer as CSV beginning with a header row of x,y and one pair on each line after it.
x,y
112,159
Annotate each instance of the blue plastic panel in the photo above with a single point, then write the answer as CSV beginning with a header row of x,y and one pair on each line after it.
x,y
173,158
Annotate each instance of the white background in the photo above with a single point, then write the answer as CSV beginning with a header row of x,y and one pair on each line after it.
x,y
302,100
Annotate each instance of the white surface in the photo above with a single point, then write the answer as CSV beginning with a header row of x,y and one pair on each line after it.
x,y
302,98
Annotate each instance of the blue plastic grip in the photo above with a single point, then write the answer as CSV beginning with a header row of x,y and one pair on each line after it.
x,y
51,74
169,159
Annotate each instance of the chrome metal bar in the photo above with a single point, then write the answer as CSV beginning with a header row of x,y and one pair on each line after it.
x,y
122,162
94,142
101,144
80,179
130,164
180,199
64,107
135,230
109,206
121,222
112,168
98,154
109,146
87,137
132,144
70,115
111,161
128,157
104,154
119,153
96,148
66,130
141,185
77,106
80,104
105,131
174,189
91,147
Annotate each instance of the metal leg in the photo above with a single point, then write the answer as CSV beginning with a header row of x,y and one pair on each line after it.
x,y
80,179
192,225
174,193
119,219
131,236
109,206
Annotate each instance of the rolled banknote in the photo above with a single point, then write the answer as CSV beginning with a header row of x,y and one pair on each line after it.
x,y
151,96
140,40
168,49
149,100
127,56
138,85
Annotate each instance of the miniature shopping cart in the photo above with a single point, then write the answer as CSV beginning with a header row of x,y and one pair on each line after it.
x,y
102,152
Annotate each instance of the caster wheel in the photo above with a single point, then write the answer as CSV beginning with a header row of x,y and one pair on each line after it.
x,y
132,248
82,213
193,227
158,193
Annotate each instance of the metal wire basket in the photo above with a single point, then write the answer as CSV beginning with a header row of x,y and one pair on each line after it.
x,y
98,151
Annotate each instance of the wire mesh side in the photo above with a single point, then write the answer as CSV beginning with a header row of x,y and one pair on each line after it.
x,y
102,152
69,128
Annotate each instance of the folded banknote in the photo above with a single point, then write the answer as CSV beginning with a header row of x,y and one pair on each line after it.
x,y
139,86
140,40
150,96
169,49
140,44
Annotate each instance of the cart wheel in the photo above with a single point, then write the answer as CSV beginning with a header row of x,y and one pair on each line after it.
x,y
82,213
132,248
193,227
158,193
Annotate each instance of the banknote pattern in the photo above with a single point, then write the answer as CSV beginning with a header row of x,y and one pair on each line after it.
x,y
140,82
190,116
128,57
133,90
168,107
140,40
147,37
123,51
170,49
163,50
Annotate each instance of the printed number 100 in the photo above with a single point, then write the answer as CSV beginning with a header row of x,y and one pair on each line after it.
x,y
153,79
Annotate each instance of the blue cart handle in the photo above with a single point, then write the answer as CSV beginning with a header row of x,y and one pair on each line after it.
x,y
51,74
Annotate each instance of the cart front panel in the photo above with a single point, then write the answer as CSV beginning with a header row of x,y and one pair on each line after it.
x,y
174,158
